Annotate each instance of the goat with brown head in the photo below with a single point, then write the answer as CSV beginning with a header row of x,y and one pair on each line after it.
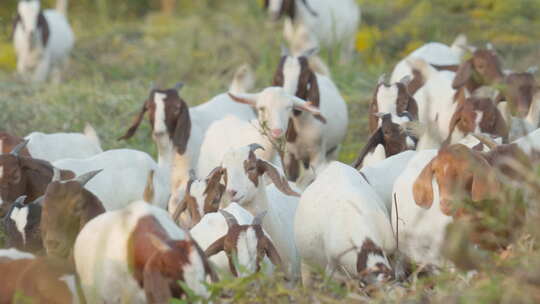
x,y
201,197
242,242
483,68
395,99
67,207
168,115
393,138
21,225
8,142
477,115
20,175
461,173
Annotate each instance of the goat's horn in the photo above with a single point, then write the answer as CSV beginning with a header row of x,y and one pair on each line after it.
x,y
259,218
18,148
85,178
231,220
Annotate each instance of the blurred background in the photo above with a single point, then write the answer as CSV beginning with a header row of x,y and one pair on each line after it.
x,y
124,46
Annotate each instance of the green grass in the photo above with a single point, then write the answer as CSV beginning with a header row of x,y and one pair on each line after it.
x,y
116,62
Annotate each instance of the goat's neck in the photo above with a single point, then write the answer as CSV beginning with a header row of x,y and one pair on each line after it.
x,y
260,202
165,152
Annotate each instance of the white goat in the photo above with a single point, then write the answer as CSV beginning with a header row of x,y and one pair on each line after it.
x,y
138,246
124,176
234,230
331,22
435,99
57,146
342,224
42,39
434,53
243,173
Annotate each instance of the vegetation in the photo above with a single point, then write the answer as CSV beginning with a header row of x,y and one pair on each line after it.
x,y
123,47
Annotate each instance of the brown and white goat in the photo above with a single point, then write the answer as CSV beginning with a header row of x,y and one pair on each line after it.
x,y
477,115
142,256
388,139
395,99
234,235
20,175
8,142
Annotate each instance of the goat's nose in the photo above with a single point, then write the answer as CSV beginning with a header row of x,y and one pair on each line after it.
x,y
276,133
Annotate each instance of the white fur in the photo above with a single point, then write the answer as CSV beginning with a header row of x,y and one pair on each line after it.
x,y
57,146
336,22
374,157
159,120
435,99
243,80
213,226
337,213
20,217
15,254
231,132
383,174
71,283
529,143
421,231
123,179
37,62
104,274
279,221
434,53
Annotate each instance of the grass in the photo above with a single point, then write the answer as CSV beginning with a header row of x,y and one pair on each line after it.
x,y
113,67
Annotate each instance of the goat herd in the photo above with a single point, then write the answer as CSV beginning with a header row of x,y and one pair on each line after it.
x,y
248,182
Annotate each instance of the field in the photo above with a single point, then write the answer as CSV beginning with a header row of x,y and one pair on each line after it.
x,y
118,59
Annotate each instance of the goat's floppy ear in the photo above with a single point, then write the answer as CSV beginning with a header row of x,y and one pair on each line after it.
x,y
136,122
308,106
216,247
279,181
272,252
156,286
422,188
245,98
463,74
313,91
182,130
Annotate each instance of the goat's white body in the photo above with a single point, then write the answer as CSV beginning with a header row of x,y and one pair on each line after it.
x,y
57,146
336,21
434,53
529,143
101,254
337,212
421,231
435,99
278,222
213,226
123,179
41,60
382,175
228,133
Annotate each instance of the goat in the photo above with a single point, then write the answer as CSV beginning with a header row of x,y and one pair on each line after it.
x,y
243,173
321,18
8,142
53,220
477,115
142,255
40,280
231,132
394,99
389,139
178,130
42,39
198,198
234,233
438,55
124,176
20,175
357,237
57,146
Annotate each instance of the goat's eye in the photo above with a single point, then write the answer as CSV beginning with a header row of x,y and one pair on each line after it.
x,y
262,109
